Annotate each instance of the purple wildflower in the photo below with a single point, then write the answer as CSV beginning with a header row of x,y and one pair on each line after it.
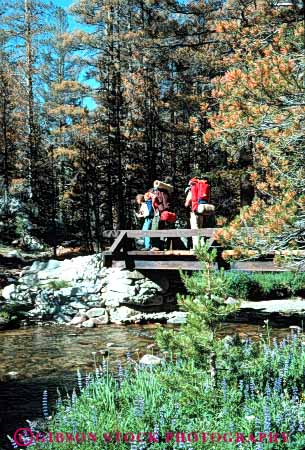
x,y
252,387
246,391
13,443
120,373
45,404
139,406
79,380
295,394
268,390
224,387
73,397
267,419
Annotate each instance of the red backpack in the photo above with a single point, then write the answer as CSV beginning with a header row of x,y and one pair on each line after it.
x,y
200,191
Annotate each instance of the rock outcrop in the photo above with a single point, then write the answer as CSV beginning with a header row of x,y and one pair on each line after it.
x,y
83,293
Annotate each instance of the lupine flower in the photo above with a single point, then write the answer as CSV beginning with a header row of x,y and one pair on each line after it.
x,y
293,425
87,379
120,373
257,424
275,344
142,445
105,365
295,394
73,397
247,411
156,431
128,358
174,419
139,406
286,368
224,387
162,418
279,420
252,387
267,351
31,427
94,416
45,404
133,446
267,419
13,443
79,380
59,402
268,390
248,347
301,426
97,372
278,384
241,385
246,391
27,439
74,426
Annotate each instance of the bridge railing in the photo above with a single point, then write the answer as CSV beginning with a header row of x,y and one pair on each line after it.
x,y
122,249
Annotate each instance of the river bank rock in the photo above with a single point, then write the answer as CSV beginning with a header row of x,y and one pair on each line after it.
x,y
150,360
81,292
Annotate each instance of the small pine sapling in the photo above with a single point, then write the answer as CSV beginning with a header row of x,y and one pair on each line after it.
x,y
207,308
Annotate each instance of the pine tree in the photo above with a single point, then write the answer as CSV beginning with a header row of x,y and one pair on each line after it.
x,y
207,308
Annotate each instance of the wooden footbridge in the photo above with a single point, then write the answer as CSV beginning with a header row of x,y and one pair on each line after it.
x,y
123,252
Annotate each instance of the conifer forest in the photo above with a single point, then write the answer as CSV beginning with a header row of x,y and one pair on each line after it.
x,y
99,99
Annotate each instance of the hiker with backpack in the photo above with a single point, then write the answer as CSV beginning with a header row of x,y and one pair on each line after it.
x,y
198,198
163,217
146,212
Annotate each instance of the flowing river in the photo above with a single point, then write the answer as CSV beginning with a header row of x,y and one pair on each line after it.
x,y
47,358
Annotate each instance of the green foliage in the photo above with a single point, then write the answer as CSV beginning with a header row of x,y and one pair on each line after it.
x,y
267,393
5,315
206,307
58,284
265,285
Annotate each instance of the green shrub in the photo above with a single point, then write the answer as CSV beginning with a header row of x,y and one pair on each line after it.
x,y
60,284
254,286
5,315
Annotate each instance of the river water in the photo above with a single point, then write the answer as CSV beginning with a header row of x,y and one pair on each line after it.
x,y
39,358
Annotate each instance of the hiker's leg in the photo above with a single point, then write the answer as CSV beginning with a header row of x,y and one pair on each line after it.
x,y
194,226
147,226
155,226
169,241
201,224
161,243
